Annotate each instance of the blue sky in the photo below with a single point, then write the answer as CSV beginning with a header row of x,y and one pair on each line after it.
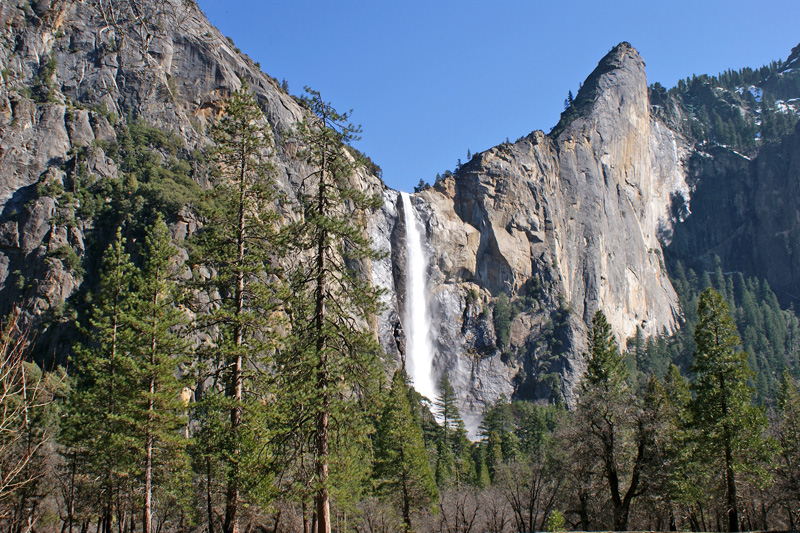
x,y
430,79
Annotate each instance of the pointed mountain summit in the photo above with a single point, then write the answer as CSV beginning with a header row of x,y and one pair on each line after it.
x,y
618,85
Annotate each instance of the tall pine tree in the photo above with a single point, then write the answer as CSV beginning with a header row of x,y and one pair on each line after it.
x,y
401,461
453,459
239,248
100,425
159,328
728,427
606,416
333,358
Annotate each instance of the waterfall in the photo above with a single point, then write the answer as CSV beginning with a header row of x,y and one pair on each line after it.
x,y
419,348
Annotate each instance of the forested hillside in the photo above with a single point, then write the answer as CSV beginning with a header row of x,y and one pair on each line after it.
x,y
743,109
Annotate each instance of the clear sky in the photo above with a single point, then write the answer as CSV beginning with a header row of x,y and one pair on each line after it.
x,y
430,79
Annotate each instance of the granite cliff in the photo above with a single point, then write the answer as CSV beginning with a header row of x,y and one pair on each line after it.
x,y
564,224
559,225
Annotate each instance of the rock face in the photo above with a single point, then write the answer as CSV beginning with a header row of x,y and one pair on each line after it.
x,y
572,221
72,72
745,212
563,224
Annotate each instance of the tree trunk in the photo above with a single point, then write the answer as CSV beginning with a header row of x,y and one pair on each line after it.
x,y
323,497
323,378
584,510
406,506
209,503
730,479
147,526
232,494
733,511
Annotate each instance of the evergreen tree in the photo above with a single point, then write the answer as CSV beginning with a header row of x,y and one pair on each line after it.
x,y
502,315
159,327
100,426
238,244
454,461
605,367
332,361
401,462
680,478
729,428
787,432
607,420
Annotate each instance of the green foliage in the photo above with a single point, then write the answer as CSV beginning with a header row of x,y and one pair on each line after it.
x,y
151,156
786,431
239,243
610,431
556,522
402,471
768,333
157,175
721,109
364,161
502,315
52,188
605,367
159,326
42,89
729,428
332,360
513,430
99,428
454,462
69,258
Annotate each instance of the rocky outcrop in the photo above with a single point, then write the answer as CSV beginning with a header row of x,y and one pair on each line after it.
x,y
744,212
71,71
564,224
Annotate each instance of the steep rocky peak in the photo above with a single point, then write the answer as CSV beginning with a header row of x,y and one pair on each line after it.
x,y
617,85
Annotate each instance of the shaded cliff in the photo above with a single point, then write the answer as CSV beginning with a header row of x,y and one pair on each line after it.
x,y
746,212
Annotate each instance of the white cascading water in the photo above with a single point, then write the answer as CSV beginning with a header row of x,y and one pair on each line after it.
x,y
419,348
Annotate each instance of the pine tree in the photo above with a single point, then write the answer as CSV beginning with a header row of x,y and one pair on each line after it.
x,y
682,483
605,366
331,364
729,428
787,433
447,410
99,427
239,245
401,462
454,461
159,328
606,417
502,315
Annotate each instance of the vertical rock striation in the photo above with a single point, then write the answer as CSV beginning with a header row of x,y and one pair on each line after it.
x,y
564,224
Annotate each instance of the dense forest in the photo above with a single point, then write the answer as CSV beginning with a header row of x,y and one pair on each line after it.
x,y
235,382
742,109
